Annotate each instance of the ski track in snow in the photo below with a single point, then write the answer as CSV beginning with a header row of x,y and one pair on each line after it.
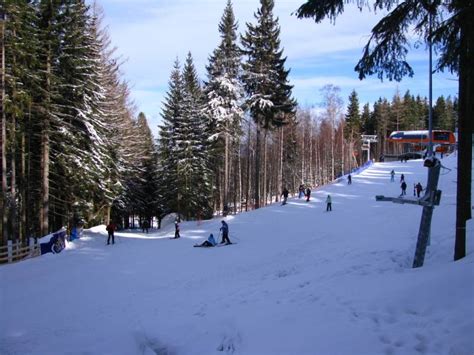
x,y
300,281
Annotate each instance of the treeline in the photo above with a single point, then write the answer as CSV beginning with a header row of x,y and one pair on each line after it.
x,y
72,148
69,144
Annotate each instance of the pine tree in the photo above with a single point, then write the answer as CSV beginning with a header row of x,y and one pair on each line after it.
x,y
265,79
353,126
167,144
224,96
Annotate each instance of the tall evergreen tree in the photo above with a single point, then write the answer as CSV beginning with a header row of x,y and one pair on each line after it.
x,y
167,144
224,96
353,125
265,78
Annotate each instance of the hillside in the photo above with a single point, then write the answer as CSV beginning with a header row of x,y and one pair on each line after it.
x,y
300,280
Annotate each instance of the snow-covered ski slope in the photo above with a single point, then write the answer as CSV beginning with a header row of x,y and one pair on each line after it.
x,y
300,281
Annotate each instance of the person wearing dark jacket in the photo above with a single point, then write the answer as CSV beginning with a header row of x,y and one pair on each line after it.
x,y
285,195
404,188
418,189
308,194
110,230
225,233
176,230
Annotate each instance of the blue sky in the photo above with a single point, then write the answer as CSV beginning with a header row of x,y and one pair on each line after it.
x,y
150,34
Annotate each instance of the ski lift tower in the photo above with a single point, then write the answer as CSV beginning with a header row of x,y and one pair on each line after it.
x,y
366,140
431,199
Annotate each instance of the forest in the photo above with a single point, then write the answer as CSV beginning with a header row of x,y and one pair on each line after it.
x,y
74,148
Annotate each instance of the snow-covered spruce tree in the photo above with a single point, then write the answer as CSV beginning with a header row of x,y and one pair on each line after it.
x,y
194,175
78,142
352,129
18,212
140,193
224,94
265,79
167,144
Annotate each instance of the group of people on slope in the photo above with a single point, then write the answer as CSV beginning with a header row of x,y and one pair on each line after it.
x,y
306,192
417,189
211,242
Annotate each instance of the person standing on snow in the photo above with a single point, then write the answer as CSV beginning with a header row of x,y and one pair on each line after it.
x,y
328,203
110,230
402,178
349,179
308,194
176,230
404,188
285,195
225,233
301,191
418,189
392,176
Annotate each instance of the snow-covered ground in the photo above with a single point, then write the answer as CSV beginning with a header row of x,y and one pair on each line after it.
x,y
300,280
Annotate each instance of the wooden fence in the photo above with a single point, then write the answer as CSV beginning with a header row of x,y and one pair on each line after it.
x,y
15,251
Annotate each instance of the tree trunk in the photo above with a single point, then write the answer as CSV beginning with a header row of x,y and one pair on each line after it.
x,y
257,168
265,167
44,208
3,137
226,168
466,111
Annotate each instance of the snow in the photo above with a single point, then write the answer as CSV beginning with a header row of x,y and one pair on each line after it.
x,y
300,280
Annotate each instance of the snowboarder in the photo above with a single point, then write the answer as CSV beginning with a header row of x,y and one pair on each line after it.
x,y
349,179
328,203
308,194
225,233
110,230
418,188
404,188
210,242
176,230
285,195
301,191
392,176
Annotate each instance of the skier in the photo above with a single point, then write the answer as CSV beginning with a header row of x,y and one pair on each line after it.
x,y
301,191
225,233
110,230
328,203
349,179
404,188
308,194
285,195
392,176
210,242
418,188
176,230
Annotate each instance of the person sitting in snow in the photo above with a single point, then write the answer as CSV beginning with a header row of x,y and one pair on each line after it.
x,y
210,242
225,233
